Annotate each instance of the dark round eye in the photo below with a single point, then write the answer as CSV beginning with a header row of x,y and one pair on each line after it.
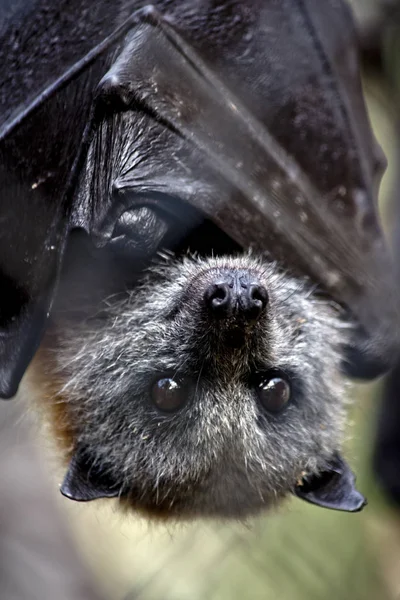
x,y
274,394
169,395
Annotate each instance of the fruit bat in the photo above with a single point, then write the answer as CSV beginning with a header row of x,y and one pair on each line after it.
x,y
209,127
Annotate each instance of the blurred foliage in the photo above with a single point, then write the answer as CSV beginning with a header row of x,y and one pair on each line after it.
x,y
367,11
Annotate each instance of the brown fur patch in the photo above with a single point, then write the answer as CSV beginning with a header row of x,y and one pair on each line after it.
x,y
52,406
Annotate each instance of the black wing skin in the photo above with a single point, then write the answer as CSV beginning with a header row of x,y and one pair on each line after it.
x,y
41,133
251,113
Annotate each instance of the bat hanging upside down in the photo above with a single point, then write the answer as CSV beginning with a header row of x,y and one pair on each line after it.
x,y
206,382
210,388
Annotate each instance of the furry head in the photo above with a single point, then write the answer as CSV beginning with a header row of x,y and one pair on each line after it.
x,y
211,389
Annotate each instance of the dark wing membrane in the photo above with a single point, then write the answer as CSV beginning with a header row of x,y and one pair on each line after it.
x,y
263,197
45,101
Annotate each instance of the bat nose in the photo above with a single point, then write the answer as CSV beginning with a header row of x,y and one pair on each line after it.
x,y
236,294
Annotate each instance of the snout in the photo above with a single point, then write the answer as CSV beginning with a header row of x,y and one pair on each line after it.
x,y
236,294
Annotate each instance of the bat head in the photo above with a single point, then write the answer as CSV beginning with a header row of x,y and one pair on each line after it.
x,y
211,389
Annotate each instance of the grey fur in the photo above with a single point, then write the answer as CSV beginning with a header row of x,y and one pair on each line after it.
x,y
222,454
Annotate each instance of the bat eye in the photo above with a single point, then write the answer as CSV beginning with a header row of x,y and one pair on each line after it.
x,y
274,394
168,395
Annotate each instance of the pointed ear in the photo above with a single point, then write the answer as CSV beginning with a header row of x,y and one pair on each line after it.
x,y
333,488
85,481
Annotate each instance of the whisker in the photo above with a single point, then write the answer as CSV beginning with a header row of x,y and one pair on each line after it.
x,y
198,378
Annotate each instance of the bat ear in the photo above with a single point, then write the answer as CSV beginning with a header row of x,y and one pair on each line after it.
x,y
365,360
333,488
85,481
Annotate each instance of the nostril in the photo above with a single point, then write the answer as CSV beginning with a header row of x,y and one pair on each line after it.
x,y
258,298
217,297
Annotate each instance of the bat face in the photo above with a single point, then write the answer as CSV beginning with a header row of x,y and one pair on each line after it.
x,y
210,388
